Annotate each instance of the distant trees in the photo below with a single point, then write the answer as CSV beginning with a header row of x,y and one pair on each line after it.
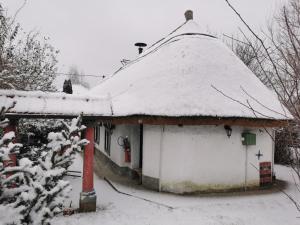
x,y
76,77
249,55
27,61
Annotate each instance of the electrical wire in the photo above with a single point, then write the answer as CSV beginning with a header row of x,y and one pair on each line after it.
x,y
134,196
80,75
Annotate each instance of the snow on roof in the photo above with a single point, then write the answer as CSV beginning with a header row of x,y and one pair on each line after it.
x,y
187,28
41,103
79,89
189,74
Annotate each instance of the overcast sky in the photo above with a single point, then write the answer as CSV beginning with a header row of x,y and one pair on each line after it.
x,y
96,34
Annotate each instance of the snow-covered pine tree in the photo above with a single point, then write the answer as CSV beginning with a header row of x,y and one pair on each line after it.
x,y
50,190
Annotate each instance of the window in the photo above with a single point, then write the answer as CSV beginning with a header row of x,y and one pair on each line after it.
x,y
108,130
107,140
97,134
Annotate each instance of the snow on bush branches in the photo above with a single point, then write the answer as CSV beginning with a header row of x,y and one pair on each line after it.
x,y
36,191
27,60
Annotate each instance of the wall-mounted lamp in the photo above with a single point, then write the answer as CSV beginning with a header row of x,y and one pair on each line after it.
x,y
228,130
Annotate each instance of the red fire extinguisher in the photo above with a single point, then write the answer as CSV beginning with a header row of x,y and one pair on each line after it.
x,y
127,149
126,145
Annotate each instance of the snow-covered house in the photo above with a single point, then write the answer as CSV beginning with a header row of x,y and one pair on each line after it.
x,y
189,114
196,118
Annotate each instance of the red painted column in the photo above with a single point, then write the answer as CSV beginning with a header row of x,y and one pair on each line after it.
x,y
88,198
13,157
88,162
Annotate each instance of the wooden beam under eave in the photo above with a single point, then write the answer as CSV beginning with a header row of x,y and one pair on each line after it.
x,y
160,120
12,115
156,120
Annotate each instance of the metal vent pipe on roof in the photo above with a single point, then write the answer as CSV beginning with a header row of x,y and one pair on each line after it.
x,y
188,15
140,46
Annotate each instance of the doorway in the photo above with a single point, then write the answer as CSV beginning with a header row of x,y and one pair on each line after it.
x,y
141,145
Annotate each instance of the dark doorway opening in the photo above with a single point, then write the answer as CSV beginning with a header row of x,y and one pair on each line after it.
x,y
141,145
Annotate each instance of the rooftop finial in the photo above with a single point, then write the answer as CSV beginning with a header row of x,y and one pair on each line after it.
x,y
188,15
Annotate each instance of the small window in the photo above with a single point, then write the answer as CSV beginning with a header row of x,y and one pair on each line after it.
x,y
107,140
97,134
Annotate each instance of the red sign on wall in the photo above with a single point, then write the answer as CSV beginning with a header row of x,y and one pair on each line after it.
x,y
265,173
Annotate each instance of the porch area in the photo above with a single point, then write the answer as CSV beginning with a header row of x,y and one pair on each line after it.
x,y
39,105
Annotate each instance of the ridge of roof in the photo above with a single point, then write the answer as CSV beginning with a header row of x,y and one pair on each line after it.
x,y
163,41
167,35
186,27
146,53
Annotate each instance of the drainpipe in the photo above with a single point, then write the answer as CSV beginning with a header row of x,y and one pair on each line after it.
x,y
246,169
160,157
273,152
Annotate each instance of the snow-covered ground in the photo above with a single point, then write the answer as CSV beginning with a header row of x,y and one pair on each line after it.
x,y
114,208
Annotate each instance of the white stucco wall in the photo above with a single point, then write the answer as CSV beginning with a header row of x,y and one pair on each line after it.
x,y
195,158
151,150
116,151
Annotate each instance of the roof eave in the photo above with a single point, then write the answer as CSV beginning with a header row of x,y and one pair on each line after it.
x,y
195,120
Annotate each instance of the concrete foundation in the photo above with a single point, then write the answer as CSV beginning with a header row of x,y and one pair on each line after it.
x,y
150,183
87,202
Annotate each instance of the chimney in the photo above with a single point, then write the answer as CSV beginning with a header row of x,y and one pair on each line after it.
x,y
140,46
188,15
67,87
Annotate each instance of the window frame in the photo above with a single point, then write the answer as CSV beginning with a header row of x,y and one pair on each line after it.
x,y
97,134
107,140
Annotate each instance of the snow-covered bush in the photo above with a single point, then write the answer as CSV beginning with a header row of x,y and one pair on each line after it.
x,y
9,208
34,132
7,146
39,189
286,139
